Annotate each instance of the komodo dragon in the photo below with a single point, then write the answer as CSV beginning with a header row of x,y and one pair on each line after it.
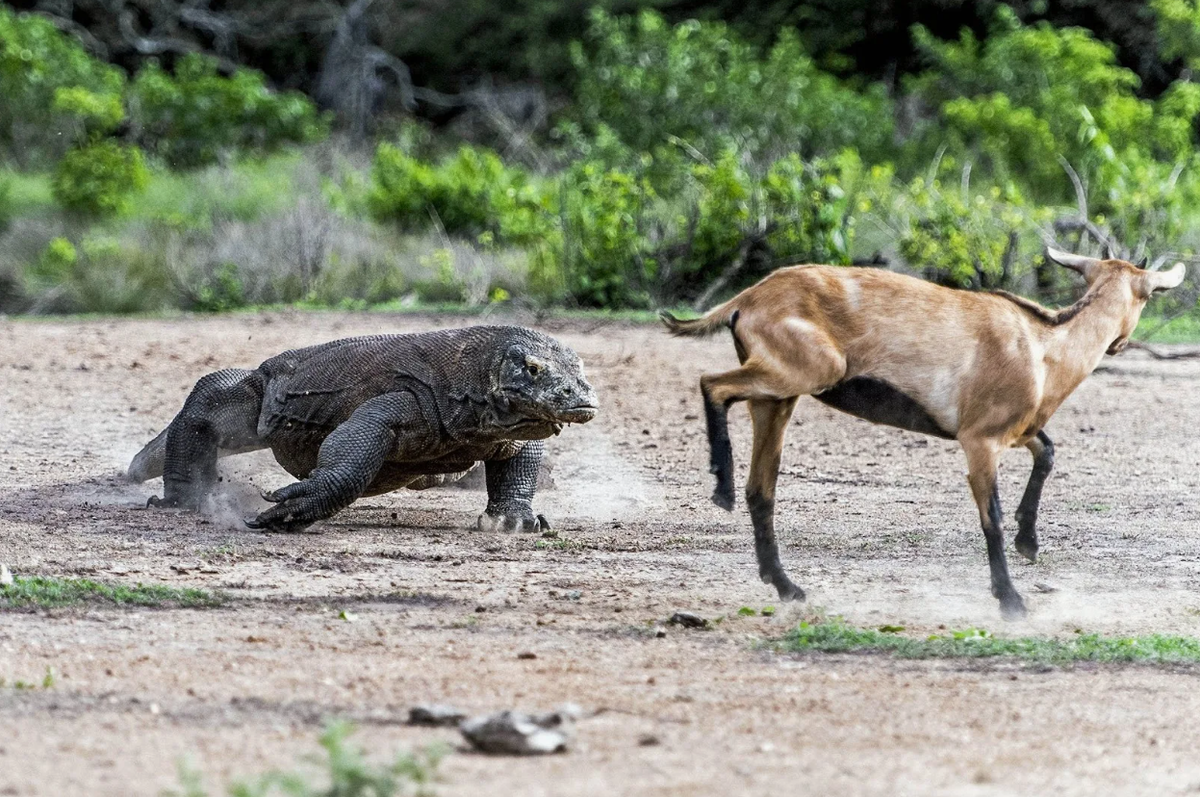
x,y
368,415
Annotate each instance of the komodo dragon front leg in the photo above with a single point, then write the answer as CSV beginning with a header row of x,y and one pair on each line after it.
x,y
386,427
510,484
220,416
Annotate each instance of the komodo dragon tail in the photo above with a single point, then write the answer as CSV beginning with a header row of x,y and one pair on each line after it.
x,y
149,461
720,317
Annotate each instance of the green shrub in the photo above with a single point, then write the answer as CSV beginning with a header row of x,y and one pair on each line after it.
x,y
604,259
100,276
699,82
471,193
194,116
1027,96
37,62
963,239
56,265
813,207
222,291
98,179
96,112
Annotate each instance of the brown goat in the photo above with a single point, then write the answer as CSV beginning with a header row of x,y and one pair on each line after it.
x,y
986,369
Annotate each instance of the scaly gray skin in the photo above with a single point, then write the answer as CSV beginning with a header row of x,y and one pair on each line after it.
x,y
369,415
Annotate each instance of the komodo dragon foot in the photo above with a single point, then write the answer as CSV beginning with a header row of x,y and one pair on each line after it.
x,y
512,516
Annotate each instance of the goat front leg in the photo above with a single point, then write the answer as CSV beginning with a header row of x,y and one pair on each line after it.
x,y
981,464
770,417
1026,541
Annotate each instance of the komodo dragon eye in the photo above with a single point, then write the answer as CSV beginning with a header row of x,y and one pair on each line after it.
x,y
533,367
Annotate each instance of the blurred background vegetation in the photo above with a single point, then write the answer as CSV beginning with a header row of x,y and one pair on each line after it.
x,y
208,155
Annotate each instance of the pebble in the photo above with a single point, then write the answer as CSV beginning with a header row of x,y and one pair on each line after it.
x,y
436,715
515,733
688,620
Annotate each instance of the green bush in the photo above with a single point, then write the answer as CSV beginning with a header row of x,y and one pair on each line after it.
x,y
471,193
221,291
967,240
99,178
1027,96
700,83
193,117
605,257
37,62
100,276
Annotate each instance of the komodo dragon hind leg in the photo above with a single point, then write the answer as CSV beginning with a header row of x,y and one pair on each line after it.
x,y
221,413
510,485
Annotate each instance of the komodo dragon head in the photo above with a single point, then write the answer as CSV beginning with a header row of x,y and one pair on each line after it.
x,y
538,382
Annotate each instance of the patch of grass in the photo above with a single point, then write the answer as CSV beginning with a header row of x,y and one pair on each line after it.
x,y
30,192
53,593
836,636
1183,329
48,682
244,190
344,772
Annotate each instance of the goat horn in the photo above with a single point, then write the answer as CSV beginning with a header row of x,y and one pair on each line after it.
x,y
1074,262
1165,280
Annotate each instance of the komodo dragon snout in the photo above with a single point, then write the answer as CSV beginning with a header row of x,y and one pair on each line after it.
x,y
369,415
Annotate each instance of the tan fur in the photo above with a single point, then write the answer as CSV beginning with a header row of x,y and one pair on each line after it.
x,y
984,365
989,368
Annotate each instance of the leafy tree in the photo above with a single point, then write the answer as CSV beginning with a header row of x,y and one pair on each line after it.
x,y
37,62
703,86
192,117
1029,97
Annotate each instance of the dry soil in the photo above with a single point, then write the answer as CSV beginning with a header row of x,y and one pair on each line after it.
x,y
875,523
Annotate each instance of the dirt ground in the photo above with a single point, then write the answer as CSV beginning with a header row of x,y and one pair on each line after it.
x,y
875,523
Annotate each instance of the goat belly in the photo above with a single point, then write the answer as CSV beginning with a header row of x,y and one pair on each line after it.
x,y
877,401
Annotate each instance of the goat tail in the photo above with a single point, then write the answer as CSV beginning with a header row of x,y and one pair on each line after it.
x,y
720,317
149,461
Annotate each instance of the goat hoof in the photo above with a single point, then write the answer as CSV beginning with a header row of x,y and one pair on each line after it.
x,y
789,591
1013,608
723,499
1027,548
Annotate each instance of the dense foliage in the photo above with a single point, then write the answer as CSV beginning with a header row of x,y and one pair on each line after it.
x,y
684,153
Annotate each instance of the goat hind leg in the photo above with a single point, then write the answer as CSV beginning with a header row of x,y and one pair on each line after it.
x,y
770,417
716,416
981,463
1026,541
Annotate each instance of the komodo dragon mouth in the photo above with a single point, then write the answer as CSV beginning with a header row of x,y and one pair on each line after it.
x,y
580,413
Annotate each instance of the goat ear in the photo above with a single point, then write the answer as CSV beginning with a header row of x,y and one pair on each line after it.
x,y
1153,281
1079,263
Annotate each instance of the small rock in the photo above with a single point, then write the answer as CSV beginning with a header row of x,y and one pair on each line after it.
x,y
648,740
660,632
514,733
6,576
435,715
1042,587
527,654
688,620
